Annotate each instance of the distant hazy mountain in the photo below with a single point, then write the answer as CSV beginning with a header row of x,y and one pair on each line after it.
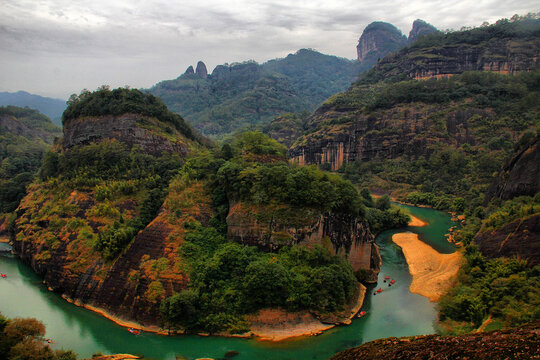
x,y
51,107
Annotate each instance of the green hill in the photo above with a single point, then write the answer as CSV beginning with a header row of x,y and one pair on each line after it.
x,y
250,95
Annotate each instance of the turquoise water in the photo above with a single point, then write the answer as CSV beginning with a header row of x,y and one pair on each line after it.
x,y
394,312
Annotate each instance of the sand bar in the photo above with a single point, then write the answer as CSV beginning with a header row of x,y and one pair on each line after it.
x,y
416,222
433,273
4,239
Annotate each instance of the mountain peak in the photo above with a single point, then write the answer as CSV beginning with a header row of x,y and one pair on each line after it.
x,y
378,40
420,28
201,70
190,70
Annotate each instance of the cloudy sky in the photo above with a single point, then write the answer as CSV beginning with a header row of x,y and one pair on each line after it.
x,y
58,47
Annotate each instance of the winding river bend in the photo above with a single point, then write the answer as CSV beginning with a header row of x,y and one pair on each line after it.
x,y
394,312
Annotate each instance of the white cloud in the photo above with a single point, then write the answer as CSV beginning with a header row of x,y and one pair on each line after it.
x,y
56,47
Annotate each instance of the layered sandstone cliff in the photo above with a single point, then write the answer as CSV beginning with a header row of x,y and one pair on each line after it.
x,y
271,227
387,134
130,129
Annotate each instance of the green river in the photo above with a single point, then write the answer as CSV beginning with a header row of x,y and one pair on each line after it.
x,y
394,312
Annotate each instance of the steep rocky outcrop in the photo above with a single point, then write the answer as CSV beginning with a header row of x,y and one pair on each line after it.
x,y
373,120
386,134
520,238
420,28
504,56
130,129
506,48
189,70
378,40
201,70
519,176
271,227
521,343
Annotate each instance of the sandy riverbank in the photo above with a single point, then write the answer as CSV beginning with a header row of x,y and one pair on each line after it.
x,y
267,325
279,325
433,273
416,222
117,320
4,239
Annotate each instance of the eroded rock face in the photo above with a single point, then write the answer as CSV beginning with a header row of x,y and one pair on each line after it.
x,y
505,56
520,238
378,40
128,129
189,70
520,176
385,135
271,228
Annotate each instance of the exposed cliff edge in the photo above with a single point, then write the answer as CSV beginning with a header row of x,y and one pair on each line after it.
x,y
271,228
520,175
520,343
520,238
506,48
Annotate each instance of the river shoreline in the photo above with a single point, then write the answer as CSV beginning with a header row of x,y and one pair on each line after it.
x,y
269,324
432,273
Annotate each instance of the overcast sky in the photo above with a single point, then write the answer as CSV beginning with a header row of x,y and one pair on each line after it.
x,y
58,47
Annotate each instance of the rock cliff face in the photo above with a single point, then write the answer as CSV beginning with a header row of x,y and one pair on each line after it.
x,y
130,129
420,28
189,70
520,176
378,40
505,56
390,133
520,238
273,227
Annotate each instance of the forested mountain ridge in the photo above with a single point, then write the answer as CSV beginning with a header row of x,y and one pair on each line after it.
x,y
250,95
419,134
51,107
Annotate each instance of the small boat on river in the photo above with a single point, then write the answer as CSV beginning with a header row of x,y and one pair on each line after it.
x,y
134,331
361,314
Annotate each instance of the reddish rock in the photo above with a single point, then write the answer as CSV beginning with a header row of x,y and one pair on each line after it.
x,y
521,343
520,238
